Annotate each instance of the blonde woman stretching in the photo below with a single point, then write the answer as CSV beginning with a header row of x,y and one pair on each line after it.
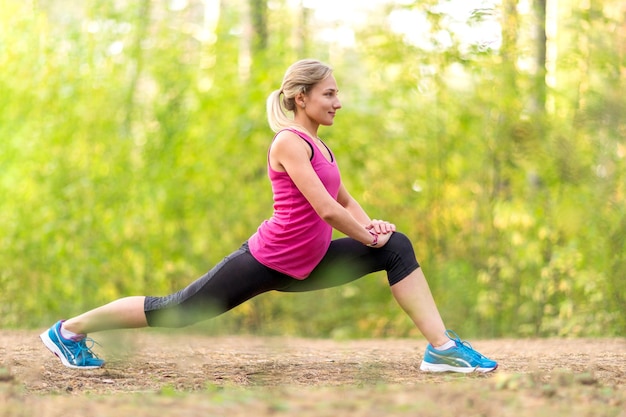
x,y
293,251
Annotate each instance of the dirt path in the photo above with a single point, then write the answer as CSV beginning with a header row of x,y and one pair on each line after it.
x,y
163,366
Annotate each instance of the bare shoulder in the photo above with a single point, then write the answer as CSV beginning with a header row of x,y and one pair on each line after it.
x,y
288,146
286,136
288,141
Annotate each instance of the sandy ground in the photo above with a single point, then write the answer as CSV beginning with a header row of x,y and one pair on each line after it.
x,y
149,371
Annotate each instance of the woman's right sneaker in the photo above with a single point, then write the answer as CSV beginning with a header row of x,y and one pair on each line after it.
x,y
73,353
461,358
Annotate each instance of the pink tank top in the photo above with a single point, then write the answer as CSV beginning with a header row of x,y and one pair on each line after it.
x,y
295,239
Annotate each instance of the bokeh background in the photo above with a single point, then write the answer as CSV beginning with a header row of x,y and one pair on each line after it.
x,y
133,145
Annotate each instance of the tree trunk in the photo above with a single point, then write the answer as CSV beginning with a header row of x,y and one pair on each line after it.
x,y
258,17
143,23
539,99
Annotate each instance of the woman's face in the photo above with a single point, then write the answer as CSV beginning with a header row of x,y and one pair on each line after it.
x,y
321,103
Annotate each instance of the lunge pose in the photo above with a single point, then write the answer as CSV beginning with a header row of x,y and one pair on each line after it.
x,y
293,251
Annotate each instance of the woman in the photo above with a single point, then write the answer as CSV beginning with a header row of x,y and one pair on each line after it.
x,y
293,250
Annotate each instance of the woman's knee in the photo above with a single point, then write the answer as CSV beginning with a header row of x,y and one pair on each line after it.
x,y
400,243
403,260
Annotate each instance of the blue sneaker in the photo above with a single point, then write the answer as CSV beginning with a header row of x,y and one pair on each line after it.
x,y
73,353
461,358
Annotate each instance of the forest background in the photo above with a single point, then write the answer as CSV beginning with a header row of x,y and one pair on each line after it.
x,y
133,145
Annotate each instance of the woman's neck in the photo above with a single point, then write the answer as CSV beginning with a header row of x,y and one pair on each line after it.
x,y
307,131
309,128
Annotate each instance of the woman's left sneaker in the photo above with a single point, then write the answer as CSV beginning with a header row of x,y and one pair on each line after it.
x,y
75,354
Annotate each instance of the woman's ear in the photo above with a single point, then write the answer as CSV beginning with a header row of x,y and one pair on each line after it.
x,y
300,100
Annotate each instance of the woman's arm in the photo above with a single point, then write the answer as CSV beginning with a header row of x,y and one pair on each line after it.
x,y
291,154
354,208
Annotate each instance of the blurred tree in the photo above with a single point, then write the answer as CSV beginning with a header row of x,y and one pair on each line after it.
x,y
540,8
258,12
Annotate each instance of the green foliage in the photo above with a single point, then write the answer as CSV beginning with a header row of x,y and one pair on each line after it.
x,y
133,150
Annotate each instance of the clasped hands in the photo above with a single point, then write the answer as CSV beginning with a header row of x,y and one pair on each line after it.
x,y
383,229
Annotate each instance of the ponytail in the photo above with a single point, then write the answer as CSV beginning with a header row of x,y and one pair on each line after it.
x,y
276,115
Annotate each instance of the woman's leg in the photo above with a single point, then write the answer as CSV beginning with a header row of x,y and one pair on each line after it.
x,y
348,260
414,296
236,279
125,313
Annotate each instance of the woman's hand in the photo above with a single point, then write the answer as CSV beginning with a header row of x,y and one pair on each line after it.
x,y
383,229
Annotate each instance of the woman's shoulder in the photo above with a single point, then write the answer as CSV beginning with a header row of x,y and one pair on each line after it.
x,y
287,141
288,145
291,133
291,137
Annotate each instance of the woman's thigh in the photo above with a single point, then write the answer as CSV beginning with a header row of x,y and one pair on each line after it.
x,y
345,261
236,279
348,260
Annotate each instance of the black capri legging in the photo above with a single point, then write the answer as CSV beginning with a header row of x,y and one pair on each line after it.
x,y
239,277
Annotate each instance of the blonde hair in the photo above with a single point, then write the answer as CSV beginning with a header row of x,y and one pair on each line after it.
x,y
300,77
